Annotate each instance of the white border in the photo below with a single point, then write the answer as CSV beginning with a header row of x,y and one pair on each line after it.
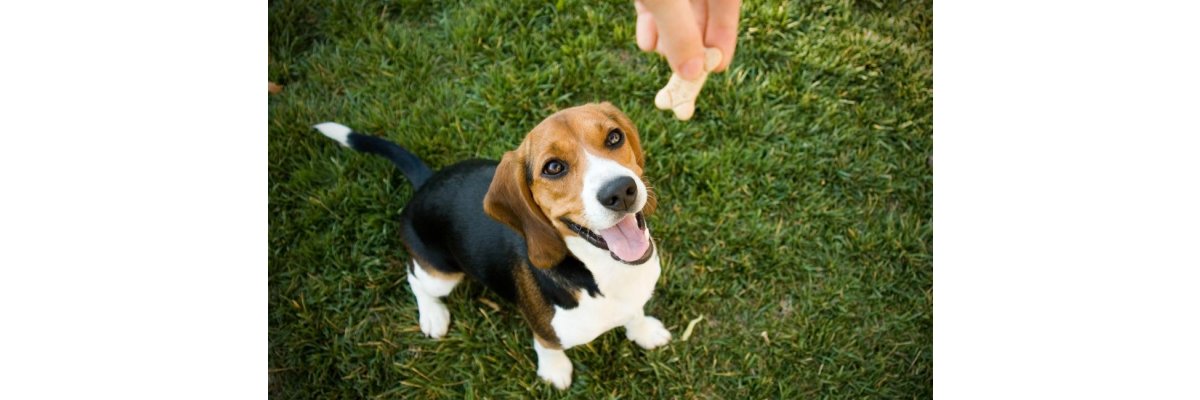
x,y
1066,200
133,229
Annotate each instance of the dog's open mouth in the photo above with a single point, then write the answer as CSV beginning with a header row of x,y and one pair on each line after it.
x,y
627,241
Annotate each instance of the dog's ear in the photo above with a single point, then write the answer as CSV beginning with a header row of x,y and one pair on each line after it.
x,y
635,143
509,201
651,199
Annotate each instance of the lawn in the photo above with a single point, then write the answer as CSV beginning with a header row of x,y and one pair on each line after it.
x,y
795,209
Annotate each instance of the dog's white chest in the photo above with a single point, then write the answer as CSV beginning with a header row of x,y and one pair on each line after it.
x,y
625,290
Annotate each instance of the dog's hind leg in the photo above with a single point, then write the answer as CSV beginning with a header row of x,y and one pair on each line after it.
x,y
429,287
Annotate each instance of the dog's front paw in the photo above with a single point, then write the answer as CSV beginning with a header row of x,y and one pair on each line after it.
x,y
648,333
556,370
435,319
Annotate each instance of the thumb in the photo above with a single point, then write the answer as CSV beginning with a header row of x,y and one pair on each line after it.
x,y
679,37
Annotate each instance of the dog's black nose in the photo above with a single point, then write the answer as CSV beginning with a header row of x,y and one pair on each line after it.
x,y
618,194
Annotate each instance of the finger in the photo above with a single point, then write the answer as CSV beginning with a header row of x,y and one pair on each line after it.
x,y
647,30
700,13
722,29
678,38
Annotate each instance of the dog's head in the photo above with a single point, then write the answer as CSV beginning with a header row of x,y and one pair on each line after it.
x,y
578,173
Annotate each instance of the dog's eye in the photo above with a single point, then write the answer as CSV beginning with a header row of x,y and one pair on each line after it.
x,y
615,138
554,168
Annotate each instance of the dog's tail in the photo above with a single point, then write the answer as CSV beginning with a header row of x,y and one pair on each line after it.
x,y
408,163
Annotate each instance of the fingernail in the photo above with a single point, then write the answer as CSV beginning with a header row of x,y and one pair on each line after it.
x,y
692,69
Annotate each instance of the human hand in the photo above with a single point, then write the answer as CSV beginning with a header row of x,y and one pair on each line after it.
x,y
682,29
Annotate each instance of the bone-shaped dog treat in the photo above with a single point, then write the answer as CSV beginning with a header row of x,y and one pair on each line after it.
x,y
680,95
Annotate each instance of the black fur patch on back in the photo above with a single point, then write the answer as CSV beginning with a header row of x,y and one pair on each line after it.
x,y
559,284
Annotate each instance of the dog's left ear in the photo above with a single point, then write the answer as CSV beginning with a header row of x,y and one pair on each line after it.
x,y
509,201
651,199
635,143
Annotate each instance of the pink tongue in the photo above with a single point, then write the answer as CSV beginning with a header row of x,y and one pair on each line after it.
x,y
625,239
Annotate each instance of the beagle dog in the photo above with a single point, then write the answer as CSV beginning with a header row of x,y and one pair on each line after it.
x,y
557,227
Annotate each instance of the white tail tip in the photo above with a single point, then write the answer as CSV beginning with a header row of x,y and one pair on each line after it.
x,y
335,131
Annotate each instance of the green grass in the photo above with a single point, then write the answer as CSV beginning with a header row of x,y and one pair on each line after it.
x,y
798,202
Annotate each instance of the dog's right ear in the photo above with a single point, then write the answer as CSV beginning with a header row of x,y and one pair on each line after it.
x,y
510,201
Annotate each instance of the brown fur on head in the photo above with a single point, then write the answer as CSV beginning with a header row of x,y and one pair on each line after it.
x,y
525,197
